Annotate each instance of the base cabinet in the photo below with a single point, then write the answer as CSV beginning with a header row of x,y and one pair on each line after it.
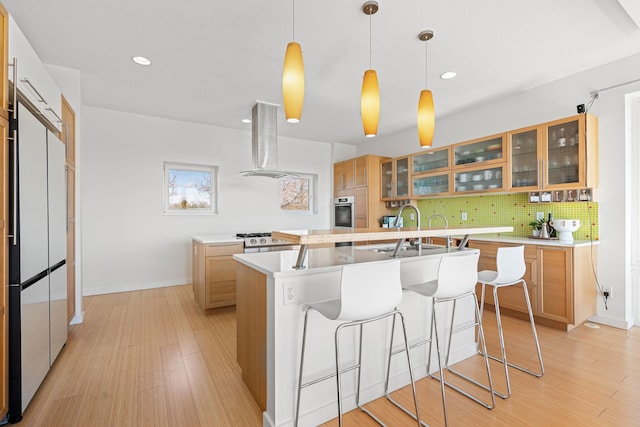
x,y
560,281
214,274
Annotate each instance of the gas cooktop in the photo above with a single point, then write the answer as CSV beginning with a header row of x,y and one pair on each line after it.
x,y
245,235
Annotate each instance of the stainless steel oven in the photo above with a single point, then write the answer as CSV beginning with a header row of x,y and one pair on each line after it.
x,y
344,212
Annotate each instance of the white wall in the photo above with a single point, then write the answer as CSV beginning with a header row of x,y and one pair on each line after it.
x,y
549,102
127,242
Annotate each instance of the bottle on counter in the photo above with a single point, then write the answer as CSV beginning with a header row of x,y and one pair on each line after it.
x,y
552,231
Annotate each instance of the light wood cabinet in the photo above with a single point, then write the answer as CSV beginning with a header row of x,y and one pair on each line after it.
x,y
560,281
480,179
343,175
368,208
394,178
555,290
557,155
431,173
214,274
251,325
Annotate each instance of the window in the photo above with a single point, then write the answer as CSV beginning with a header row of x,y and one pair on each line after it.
x,y
190,189
297,195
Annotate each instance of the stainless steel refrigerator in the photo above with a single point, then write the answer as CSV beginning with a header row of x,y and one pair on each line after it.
x,y
37,252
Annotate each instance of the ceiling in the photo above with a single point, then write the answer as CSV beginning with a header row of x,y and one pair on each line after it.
x,y
213,59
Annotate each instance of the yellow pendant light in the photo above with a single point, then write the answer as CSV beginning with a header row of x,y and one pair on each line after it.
x,y
426,114
370,99
293,80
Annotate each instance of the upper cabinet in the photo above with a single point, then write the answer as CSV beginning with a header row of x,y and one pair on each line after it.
x,y
430,173
31,78
343,175
557,155
485,151
395,178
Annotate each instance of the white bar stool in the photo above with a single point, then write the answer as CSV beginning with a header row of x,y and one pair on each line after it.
x,y
368,292
511,269
457,278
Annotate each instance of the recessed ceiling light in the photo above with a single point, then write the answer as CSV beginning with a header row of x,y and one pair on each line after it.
x,y
141,60
246,120
448,75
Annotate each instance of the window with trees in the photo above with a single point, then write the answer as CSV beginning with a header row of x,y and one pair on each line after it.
x,y
190,189
297,194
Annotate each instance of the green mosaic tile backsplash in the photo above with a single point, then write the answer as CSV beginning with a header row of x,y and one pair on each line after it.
x,y
506,209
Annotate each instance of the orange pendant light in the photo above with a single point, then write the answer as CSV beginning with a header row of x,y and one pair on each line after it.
x,y
426,113
370,98
293,83
370,103
293,76
426,118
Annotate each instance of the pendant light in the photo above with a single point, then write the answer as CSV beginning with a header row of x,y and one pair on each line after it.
x,y
293,79
426,115
370,99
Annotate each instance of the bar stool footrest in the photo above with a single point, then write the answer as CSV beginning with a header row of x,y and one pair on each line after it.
x,y
513,365
464,393
405,410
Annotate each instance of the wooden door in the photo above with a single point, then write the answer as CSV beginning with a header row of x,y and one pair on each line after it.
x,y
68,137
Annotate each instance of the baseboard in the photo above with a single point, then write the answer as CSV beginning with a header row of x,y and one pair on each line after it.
x,y
616,323
77,319
135,287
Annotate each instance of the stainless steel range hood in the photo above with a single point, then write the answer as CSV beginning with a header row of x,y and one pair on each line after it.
x,y
264,142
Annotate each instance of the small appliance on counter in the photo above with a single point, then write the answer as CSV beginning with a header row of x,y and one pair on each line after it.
x,y
565,228
389,221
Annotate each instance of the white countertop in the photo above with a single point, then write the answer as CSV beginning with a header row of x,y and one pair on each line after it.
x,y
281,263
529,241
216,238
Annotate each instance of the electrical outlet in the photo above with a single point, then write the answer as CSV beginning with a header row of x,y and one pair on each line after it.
x,y
539,215
412,216
289,293
464,216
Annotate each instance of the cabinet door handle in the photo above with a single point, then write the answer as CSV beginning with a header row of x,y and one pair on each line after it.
x,y
15,88
27,81
14,233
54,113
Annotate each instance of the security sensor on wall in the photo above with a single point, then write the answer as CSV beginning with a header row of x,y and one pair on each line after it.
x,y
580,108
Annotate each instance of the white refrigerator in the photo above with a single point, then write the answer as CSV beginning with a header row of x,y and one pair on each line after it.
x,y
37,253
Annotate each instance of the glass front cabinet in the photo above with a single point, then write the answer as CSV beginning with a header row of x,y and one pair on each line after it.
x,y
480,179
554,155
395,178
430,173
483,151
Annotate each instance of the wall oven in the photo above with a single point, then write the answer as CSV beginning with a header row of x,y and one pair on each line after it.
x,y
344,212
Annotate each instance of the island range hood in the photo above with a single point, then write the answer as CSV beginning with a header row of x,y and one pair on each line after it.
x,y
264,142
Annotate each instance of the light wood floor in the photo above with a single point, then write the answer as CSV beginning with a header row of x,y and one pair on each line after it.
x,y
153,358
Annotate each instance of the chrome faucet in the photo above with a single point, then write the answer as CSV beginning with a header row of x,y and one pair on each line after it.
x,y
446,225
415,208
401,241
446,222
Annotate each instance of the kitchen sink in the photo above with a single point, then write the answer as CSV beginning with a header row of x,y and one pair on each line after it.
x,y
405,250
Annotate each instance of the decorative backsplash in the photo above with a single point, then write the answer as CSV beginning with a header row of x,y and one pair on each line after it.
x,y
506,209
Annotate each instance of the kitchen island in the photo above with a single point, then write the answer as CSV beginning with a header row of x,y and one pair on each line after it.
x,y
270,293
